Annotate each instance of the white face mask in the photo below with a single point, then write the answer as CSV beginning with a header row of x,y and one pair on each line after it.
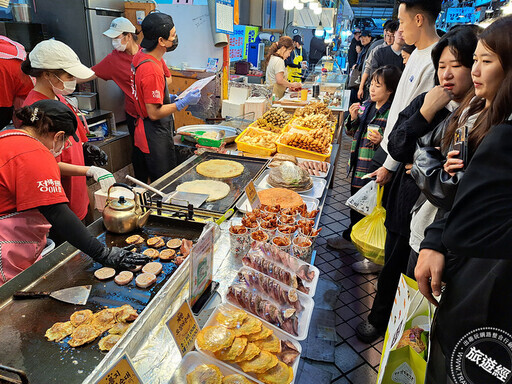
x,y
56,152
118,46
69,87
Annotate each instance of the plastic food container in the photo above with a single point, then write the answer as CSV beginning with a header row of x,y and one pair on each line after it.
x,y
250,148
297,152
86,100
280,335
192,360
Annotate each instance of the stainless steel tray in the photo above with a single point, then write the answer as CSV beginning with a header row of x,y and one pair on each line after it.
x,y
231,132
319,185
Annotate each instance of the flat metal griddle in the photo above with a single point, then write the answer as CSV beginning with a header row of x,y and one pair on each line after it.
x,y
23,323
252,168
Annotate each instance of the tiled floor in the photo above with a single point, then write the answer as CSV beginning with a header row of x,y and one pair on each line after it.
x,y
355,362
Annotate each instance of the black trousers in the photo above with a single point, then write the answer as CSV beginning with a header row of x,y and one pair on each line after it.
x,y
138,162
396,257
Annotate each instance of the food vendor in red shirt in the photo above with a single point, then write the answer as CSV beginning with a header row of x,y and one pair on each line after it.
x,y
15,84
31,195
56,68
155,125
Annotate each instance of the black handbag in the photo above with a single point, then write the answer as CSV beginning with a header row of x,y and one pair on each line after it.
x,y
355,78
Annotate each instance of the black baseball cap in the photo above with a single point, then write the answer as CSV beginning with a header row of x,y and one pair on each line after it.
x,y
60,114
366,33
298,39
154,26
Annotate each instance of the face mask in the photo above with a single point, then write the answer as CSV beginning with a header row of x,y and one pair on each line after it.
x,y
118,46
173,46
69,87
56,152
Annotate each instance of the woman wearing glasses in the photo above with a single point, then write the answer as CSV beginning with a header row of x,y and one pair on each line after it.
x,y
31,195
56,68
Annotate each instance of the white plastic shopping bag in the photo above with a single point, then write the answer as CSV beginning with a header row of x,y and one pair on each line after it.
x,y
364,200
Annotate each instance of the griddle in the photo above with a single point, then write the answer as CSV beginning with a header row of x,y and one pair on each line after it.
x,y
24,323
252,169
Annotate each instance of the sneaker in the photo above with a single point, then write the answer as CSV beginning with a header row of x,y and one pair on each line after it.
x,y
367,333
366,266
339,242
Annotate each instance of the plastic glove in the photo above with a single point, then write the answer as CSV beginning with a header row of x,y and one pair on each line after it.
x,y
120,258
191,98
102,176
94,155
173,98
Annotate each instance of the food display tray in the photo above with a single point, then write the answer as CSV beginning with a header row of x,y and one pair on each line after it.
x,y
23,323
251,148
194,359
279,333
304,316
299,161
252,168
319,185
244,206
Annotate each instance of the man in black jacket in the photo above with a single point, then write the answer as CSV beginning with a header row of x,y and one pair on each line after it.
x,y
316,49
352,53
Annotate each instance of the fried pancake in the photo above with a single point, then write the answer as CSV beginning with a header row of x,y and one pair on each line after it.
x,y
168,254
155,242
280,374
283,197
205,374
119,328
231,319
134,240
214,338
81,317
83,334
174,243
151,252
270,344
249,326
104,319
236,379
108,342
220,169
126,314
263,334
249,353
261,363
232,352
59,331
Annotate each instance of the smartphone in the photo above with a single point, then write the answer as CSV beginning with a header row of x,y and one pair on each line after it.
x,y
460,143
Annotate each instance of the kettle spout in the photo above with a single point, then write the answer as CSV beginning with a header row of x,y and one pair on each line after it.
x,y
143,219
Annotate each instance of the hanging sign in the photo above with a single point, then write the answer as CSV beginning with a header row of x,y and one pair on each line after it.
x,y
121,372
459,15
184,328
201,265
236,43
224,16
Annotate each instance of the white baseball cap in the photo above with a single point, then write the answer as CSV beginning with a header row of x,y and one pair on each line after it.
x,y
118,26
54,54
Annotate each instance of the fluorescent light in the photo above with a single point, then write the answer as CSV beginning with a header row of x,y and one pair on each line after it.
x,y
299,6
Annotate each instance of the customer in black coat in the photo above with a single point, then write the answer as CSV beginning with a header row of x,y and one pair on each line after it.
x,y
352,53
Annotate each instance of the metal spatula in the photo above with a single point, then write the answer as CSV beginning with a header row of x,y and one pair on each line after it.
x,y
73,295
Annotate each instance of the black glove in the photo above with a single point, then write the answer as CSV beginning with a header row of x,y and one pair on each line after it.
x,y
94,155
120,258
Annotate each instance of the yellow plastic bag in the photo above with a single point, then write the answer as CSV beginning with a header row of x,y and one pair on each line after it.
x,y
369,234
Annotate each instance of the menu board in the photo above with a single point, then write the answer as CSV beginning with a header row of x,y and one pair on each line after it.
x,y
224,16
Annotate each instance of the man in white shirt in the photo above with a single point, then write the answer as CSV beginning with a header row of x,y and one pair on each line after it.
x,y
417,25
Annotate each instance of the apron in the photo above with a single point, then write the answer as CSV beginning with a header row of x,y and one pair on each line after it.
x,y
22,237
295,74
159,155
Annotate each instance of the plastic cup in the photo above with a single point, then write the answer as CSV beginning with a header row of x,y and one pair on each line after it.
x,y
302,248
239,242
373,128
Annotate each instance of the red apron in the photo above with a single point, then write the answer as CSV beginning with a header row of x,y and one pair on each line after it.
x,y
22,238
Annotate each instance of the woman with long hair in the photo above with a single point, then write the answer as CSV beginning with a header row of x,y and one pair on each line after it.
x,y
276,74
469,248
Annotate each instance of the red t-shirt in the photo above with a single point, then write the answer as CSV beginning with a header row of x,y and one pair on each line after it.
x,y
29,175
15,84
150,86
74,186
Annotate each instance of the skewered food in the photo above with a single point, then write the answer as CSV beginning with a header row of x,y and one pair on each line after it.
x,y
313,122
220,169
290,176
315,108
273,120
104,273
318,140
59,331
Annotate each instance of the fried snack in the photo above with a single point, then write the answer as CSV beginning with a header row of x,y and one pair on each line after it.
x,y
263,334
285,219
124,277
205,374
108,342
289,229
155,242
174,243
231,319
214,338
151,252
250,352
220,169
231,353
259,236
237,229
261,139
81,317
105,273
261,363
314,122
282,197
318,140
270,344
134,240
154,267
302,241
59,331
119,328
289,352
273,120
281,241
168,254
126,314
104,319
269,224
249,326
279,374
235,379
315,108
83,334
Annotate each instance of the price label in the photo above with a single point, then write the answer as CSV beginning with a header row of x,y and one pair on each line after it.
x,y
252,195
184,328
121,372
201,265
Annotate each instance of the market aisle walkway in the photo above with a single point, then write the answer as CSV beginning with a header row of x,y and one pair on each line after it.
x,y
355,362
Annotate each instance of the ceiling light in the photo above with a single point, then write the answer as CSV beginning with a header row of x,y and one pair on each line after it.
x,y
319,31
299,6
317,11
288,5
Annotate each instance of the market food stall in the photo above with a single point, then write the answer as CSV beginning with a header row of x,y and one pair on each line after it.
x,y
261,258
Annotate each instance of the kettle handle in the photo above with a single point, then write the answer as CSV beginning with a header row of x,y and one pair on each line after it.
x,y
123,185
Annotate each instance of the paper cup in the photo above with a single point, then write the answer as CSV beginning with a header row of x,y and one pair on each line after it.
x,y
254,227
239,242
312,238
302,247
270,231
282,240
284,234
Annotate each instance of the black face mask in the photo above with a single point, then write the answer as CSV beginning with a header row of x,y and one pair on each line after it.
x,y
174,45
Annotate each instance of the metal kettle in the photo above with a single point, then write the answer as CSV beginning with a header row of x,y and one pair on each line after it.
x,y
122,215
